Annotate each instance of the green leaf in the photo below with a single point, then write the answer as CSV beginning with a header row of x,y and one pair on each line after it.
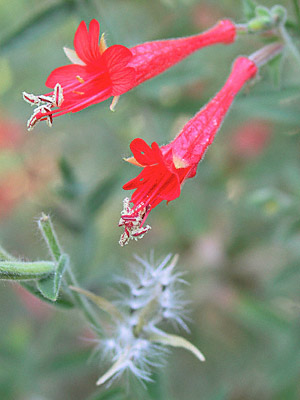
x,y
275,70
71,187
249,9
100,302
100,194
62,301
49,287
176,341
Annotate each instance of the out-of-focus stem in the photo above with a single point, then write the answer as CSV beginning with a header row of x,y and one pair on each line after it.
x,y
241,28
297,11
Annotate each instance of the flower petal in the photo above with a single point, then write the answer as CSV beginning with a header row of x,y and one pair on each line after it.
x,y
122,77
66,75
86,43
143,153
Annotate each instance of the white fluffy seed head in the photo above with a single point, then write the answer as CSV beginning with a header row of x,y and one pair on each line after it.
x,y
151,295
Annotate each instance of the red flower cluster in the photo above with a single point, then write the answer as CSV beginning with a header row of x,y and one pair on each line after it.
x,y
165,168
98,72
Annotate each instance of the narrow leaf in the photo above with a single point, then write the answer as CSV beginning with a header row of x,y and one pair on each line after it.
x,y
49,287
116,367
176,341
275,70
100,194
62,301
101,302
71,187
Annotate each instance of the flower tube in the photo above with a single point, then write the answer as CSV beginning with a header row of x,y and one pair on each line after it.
x,y
98,72
165,168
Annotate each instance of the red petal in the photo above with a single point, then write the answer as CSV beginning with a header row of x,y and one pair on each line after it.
x,y
122,77
142,152
116,57
86,43
122,81
65,75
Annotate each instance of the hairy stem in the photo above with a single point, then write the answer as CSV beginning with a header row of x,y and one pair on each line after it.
x,y
49,235
289,43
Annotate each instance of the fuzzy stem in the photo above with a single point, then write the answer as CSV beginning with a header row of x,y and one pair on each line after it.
x,y
265,54
17,270
147,313
290,45
241,28
50,237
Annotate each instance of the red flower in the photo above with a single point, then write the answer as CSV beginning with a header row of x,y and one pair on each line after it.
x,y
166,168
98,72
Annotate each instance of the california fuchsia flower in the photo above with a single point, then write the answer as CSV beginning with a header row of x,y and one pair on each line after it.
x,y
98,72
165,168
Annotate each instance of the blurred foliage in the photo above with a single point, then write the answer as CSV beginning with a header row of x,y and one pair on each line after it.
x,y
236,225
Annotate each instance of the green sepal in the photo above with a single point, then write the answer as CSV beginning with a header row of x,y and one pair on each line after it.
x,y
18,270
262,12
49,287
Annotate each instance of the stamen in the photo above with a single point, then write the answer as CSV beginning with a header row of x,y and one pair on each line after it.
x,y
58,96
77,92
31,98
79,79
44,112
41,112
132,219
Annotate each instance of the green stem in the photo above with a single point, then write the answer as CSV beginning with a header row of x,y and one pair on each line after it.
x,y
288,41
297,10
4,255
17,270
49,235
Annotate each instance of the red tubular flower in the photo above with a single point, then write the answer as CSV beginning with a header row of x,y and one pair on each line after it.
x,y
98,72
165,168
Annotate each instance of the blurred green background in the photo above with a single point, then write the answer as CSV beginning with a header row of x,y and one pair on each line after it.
x,y
236,225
